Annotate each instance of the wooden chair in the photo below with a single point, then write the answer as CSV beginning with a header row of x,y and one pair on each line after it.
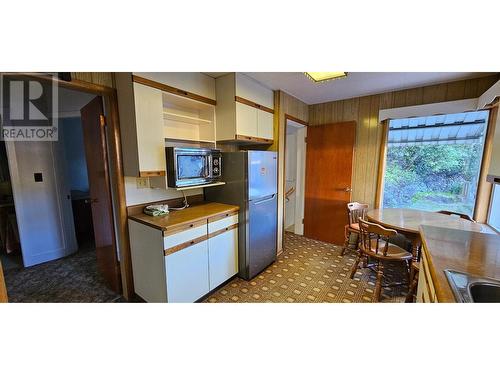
x,y
355,211
375,245
451,213
415,266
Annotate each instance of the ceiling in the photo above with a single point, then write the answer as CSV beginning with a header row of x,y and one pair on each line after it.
x,y
354,85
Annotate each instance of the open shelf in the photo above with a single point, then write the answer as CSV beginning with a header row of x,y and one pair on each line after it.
x,y
200,186
185,118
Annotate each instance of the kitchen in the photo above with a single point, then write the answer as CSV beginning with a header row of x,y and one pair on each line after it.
x,y
242,212
211,138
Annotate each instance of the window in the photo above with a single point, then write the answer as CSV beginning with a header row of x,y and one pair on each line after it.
x,y
433,162
494,216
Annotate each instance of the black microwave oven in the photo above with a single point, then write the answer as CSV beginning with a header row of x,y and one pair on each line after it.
x,y
192,166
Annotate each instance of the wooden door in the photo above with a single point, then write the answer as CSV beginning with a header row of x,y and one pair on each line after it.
x,y
3,289
94,137
329,159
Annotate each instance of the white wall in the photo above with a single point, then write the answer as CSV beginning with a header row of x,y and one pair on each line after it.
x,y
138,196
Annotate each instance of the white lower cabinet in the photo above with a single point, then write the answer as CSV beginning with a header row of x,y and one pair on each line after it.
x,y
187,273
223,257
198,259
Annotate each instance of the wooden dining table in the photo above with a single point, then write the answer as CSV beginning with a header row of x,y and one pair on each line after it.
x,y
408,221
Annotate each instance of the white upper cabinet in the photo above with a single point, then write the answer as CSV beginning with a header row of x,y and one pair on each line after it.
x,y
265,124
245,110
246,120
149,120
141,123
196,83
250,89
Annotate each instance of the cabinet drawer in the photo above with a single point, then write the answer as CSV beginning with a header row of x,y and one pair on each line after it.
x,y
184,234
222,221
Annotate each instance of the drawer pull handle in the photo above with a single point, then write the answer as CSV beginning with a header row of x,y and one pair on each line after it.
x,y
192,242
192,225
227,228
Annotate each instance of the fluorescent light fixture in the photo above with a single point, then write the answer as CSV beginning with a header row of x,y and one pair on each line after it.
x,y
325,76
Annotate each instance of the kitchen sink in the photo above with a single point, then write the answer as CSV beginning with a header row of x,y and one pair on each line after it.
x,y
470,288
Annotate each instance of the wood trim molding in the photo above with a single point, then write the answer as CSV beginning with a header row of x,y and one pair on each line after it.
x,y
382,158
246,138
484,187
184,245
295,119
172,90
222,216
3,289
241,100
223,230
181,228
151,173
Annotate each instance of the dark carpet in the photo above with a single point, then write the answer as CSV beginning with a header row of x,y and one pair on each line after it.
x,y
71,279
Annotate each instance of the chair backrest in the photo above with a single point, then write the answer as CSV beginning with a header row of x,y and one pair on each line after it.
x,y
356,211
375,236
451,213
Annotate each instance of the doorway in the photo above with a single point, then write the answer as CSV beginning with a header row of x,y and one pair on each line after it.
x,y
63,206
295,164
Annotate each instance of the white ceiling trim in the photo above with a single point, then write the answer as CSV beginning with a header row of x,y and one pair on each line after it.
x,y
443,108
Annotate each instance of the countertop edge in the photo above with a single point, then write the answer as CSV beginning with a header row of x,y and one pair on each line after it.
x,y
230,208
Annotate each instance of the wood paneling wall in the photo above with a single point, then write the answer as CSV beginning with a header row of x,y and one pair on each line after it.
x,y
98,78
364,110
284,104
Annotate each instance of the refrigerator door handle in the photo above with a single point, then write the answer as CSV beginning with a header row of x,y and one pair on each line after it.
x,y
265,200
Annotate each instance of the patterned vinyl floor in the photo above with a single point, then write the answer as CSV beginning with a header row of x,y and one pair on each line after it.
x,y
311,271
74,278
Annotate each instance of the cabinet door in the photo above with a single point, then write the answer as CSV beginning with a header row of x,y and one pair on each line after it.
x,y
149,123
246,120
223,257
187,273
265,124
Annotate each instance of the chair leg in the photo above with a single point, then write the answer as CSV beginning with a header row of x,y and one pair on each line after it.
x,y
412,291
378,284
346,242
355,265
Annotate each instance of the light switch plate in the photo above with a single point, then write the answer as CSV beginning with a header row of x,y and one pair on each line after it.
x,y
142,182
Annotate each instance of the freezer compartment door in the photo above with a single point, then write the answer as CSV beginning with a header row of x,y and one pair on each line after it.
x,y
262,233
262,174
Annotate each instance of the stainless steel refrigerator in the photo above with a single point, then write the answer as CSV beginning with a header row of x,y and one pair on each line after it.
x,y
251,183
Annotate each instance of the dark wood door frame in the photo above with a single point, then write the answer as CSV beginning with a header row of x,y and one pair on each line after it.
x,y
116,170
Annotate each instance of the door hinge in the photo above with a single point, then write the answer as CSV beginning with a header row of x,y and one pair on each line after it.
x,y
102,120
302,221
305,139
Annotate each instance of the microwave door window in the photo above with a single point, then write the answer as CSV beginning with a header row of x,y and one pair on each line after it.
x,y
190,166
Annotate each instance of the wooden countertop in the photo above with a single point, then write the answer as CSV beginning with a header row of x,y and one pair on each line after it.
x,y
409,220
198,211
467,251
